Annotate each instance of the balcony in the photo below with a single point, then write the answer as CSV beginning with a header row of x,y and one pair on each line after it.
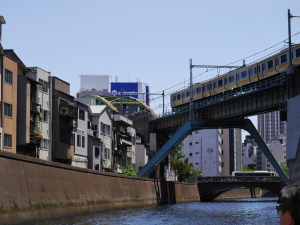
x,y
65,109
35,108
35,139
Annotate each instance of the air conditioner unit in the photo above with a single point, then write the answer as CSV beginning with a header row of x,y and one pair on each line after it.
x,y
73,123
65,110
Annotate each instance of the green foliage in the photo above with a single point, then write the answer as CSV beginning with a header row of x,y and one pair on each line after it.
x,y
248,168
286,170
196,172
128,171
182,167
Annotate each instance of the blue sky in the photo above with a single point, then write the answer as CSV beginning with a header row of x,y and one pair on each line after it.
x,y
151,41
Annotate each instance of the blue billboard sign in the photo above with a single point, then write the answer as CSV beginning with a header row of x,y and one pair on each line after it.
x,y
124,89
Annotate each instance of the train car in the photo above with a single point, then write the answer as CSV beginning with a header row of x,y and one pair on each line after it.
x,y
268,67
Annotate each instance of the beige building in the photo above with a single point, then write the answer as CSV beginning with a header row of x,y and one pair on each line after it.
x,y
12,66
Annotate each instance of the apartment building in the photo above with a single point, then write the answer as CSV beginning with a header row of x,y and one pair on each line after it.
x,y
34,124
124,143
100,156
269,125
12,67
64,113
2,53
81,126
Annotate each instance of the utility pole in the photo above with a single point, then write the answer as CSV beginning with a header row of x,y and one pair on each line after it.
x,y
290,16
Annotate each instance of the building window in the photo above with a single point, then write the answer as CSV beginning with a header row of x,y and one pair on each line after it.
x,y
197,153
191,143
191,154
66,136
97,152
7,110
44,143
197,164
7,140
196,142
97,167
81,114
8,77
83,141
44,86
45,115
78,140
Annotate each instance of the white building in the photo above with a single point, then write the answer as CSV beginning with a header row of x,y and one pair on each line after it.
x,y
203,148
95,82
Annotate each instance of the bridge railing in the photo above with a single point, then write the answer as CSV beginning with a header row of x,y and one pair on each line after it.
x,y
238,179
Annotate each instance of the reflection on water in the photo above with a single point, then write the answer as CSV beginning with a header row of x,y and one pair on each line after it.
x,y
238,211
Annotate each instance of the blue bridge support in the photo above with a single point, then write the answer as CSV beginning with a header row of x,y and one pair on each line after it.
x,y
192,125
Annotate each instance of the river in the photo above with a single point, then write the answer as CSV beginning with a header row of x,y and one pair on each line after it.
x,y
220,212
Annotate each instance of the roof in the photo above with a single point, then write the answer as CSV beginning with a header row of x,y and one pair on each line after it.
x,y
95,109
2,20
11,54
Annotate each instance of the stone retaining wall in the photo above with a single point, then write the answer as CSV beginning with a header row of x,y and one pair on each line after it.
x,y
32,190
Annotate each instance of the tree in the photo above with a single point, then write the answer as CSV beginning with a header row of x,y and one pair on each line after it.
x,y
180,164
286,170
128,171
196,172
248,168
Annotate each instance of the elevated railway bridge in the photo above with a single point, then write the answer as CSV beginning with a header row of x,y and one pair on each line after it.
x,y
227,110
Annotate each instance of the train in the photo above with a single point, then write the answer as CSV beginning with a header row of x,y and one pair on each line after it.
x,y
253,173
247,74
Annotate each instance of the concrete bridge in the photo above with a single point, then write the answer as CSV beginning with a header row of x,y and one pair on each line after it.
x,y
211,187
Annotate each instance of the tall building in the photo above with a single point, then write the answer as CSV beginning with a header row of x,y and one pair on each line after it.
x,y
269,125
214,151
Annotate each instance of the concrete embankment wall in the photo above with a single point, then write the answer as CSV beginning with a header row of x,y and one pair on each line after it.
x,y
240,193
33,190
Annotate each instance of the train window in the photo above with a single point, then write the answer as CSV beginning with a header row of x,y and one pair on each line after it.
x,y
270,64
263,67
208,87
231,79
297,52
198,90
237,77
178,96
214,85
250,72
258,69
187,94
220,83
276,61
283,58
204,87
225,80
174,98
243,74
255,70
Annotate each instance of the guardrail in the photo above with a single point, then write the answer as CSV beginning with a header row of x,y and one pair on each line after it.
x,y
238,179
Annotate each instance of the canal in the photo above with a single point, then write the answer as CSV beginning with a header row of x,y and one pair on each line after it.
x,y
226,211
